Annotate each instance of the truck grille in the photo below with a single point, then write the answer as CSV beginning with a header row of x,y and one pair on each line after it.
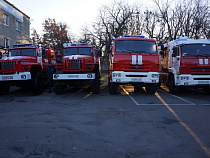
x,y
200,70
8,66
73,64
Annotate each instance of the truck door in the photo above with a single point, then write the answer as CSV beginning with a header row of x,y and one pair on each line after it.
x,y
176,58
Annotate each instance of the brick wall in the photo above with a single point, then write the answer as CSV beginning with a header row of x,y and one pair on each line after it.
x,y
10,32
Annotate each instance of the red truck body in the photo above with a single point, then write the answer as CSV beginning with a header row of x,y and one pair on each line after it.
x,y
185,62
80,64
25,66
134,60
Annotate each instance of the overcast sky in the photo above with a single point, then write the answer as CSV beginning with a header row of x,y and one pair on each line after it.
x,y
75,13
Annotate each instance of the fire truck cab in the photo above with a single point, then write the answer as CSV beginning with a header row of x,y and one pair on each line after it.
x,y
25,65
134,60
79,65
185,62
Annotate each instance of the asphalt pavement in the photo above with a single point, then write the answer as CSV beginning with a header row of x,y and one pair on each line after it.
x,y
79,124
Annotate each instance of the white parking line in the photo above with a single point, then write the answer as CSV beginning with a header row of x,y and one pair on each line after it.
x,y
178,98
190,103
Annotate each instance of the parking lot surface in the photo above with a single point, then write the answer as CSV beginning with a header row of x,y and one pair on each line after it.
x,y
79,124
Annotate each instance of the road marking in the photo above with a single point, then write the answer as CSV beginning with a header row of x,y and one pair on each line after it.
x,y
102,86
129,95
87,95
190,103
179,98
201,144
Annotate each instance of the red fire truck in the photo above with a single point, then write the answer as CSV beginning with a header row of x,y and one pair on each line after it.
x,y
25,66
134,60
79,65
185,62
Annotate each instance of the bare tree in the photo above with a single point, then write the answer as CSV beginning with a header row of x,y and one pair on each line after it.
x,y
35,37
189,17
114,18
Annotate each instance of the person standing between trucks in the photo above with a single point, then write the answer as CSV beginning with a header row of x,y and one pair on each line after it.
x,y
50,71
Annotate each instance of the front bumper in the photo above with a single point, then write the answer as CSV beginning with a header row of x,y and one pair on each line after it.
x,y
17,76
138,77
88,76
192,80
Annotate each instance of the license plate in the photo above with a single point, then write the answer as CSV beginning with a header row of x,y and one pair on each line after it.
x,y
136,79
7,77
72,76
203,82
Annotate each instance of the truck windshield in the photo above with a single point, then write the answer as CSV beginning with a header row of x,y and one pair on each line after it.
x,y
70,51
135,46
196,50
85,51
22,52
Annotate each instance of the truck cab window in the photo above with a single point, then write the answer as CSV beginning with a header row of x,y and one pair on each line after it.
x,y
196,50
14,52
28,52
135,46
70,51
85,51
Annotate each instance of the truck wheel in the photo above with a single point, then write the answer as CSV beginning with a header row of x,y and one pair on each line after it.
x,y
151,88
4,89
171,85
113,88
37,84
96,84
206,90
59,89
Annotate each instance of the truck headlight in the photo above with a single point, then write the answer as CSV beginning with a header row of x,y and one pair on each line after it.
x,y
56,76
59,68
89,67
23,76
155,75
116,74
185,78
26,68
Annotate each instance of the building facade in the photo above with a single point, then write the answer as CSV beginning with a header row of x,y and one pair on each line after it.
x,y
14,25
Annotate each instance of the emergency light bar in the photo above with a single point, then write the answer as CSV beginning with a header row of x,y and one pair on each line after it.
x,y
22,45
133,36
76,44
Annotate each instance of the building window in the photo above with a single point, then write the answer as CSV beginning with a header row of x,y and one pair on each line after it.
x,y
6,43
6,19
18,26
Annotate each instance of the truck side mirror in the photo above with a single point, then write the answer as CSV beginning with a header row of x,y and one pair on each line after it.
x,y
59,58
162,47
161,52
175,51
51,56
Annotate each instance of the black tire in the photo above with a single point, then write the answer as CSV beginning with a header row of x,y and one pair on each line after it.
x,y
171,85
151,88
59,89
96,84
206,90
113,88
37,83
4,89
